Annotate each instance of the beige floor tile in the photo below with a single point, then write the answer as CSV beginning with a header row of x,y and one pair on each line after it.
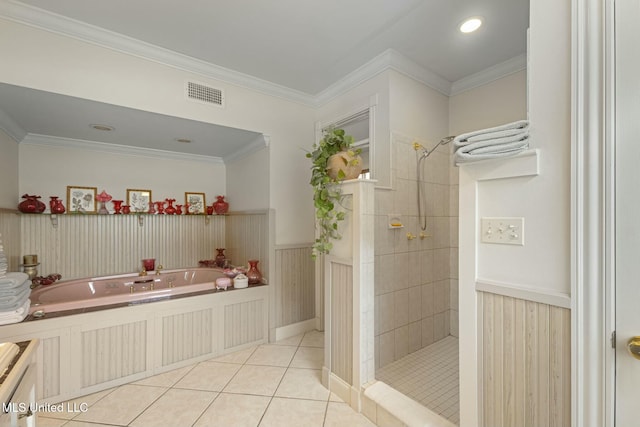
x,y
122,405
181,407
313,339
341,414
86,424
302,384
237,356
89,400
209,376
294,412
308,357
166,379
293,341
261,380
272,355
49,422
237,410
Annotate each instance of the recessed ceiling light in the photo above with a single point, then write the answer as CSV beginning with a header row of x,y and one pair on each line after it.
x,y
105,128
183,140
471,24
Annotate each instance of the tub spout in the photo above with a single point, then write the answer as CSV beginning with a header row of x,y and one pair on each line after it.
x,y
160,267
143,272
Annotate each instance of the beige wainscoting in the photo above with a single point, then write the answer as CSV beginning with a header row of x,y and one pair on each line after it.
x,y
95,245
526,369
295,280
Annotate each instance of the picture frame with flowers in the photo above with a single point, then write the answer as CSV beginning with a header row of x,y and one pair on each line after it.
x,y
81,199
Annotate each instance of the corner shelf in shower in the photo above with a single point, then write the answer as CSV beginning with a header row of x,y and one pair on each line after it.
x,y
395,221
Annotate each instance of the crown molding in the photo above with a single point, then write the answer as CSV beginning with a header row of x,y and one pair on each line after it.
x,y
49,21
489,75
103,147
259,143
11,128
389,59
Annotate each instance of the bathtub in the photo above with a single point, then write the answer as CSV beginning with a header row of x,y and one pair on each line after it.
x,y
121,289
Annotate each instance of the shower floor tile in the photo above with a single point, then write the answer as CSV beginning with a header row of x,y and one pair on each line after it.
x,y
429,376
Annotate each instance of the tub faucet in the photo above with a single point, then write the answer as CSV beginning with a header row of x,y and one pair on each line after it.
x,y
143,272
160,267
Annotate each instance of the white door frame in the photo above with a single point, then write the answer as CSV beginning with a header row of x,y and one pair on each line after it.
x,y
591,209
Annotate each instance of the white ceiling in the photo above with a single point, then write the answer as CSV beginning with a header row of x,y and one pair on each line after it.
x,y
301,45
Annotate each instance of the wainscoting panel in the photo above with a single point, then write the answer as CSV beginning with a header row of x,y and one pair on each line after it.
x,y
113,352
186,335
10,237
342,321
50,367
245,323
247,237
526,363
93,245
295,285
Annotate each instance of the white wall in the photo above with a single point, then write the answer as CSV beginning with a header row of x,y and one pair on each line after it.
x,y
46,171
375,90
248,181
55,63
9,197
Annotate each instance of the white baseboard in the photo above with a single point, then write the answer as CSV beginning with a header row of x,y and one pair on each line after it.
x,y
294,329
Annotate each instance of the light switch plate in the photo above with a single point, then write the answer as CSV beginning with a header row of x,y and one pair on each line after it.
x,y
504,231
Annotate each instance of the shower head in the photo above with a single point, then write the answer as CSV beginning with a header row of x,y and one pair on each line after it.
x,y
427,153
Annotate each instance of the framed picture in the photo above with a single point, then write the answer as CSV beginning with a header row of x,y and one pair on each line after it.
x,y
139,200
81,199
197,203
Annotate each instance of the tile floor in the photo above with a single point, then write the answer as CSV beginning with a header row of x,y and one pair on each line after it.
x,y
430,376
269,385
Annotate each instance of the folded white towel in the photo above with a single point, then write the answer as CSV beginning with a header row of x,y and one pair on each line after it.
x,y
497,145
506,151
17,317
11,292
24,308
13,280
13,302
490,133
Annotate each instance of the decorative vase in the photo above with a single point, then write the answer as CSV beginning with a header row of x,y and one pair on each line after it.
x,y
160,207
220,258
117,206
221,206
345,161
170,210
126,209
103,198
31,204
186,209
178,209
209,210
151,208
254,275
56,205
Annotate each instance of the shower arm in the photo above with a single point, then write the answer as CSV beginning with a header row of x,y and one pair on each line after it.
x,y
425,152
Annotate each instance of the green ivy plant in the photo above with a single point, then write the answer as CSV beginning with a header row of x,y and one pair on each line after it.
x,y
327,191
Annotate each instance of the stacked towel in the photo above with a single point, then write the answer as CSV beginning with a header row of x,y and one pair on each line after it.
x,y
15,289
492,143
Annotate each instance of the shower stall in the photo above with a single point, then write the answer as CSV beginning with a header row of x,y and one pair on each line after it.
x,y
416,265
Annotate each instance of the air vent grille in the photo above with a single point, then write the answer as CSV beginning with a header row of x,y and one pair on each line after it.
x,y
203,93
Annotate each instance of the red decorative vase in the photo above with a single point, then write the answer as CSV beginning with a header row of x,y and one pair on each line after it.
x,y
170,210
126,209
209,210
220,258
56,205
31,204
221,206
160,207
117,206
186,209
178,209
254,275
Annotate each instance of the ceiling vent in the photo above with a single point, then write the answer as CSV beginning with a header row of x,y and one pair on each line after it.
x,y
203,93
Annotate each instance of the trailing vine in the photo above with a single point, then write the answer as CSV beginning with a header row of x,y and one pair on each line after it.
x,y
327,190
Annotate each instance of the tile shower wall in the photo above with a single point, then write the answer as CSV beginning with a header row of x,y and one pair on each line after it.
x,y
416,280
